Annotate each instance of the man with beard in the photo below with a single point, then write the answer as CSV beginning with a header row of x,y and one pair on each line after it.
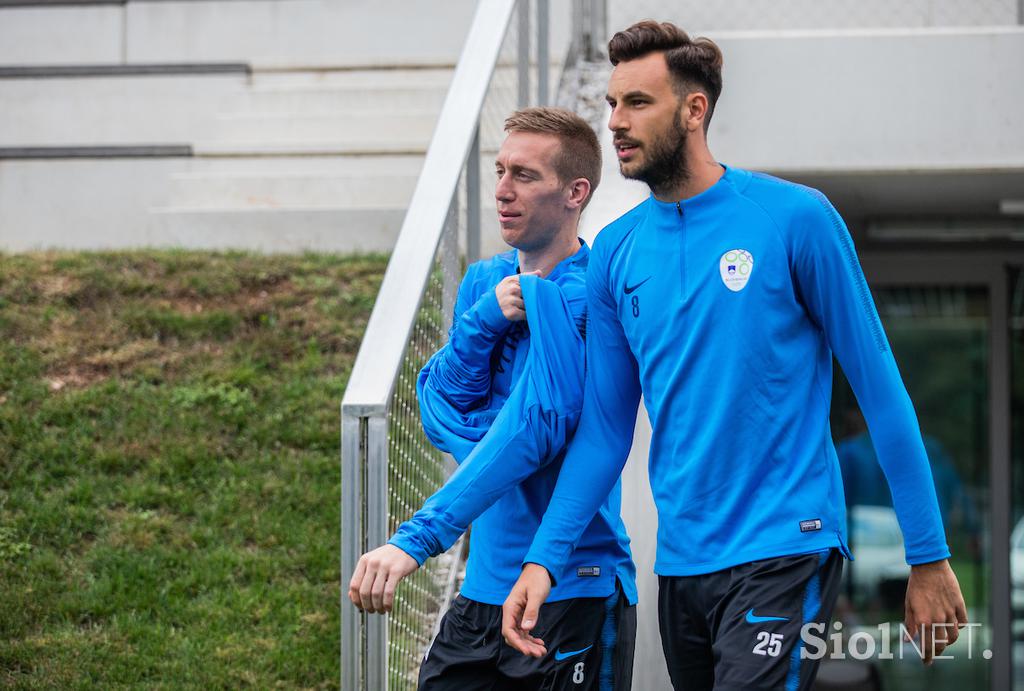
x,y
722,298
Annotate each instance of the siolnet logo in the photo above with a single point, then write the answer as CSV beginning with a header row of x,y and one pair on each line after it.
x,y
736,267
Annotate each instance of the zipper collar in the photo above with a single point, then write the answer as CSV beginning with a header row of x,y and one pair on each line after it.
x,y
719,193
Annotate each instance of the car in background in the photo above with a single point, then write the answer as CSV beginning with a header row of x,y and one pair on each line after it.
x,y
879,573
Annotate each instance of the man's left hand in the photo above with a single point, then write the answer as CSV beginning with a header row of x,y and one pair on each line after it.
x,y
521,610
372,588
935,607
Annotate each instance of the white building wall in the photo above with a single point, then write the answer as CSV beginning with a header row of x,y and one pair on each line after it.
x,y
786,15
926,99
263,33
61,35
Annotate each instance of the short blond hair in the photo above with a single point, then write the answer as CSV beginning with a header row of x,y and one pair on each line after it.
x,y
579,154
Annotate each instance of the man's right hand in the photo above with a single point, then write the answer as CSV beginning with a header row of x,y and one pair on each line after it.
x,y
372,588
510,297
522,608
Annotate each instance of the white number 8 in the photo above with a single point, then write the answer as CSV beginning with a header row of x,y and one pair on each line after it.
x,y
577,673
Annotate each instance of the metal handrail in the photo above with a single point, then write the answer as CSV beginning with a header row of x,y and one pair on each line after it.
x,y
429,222
380,354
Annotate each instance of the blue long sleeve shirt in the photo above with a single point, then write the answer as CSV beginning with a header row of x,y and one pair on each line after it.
x,y
725,310
504,399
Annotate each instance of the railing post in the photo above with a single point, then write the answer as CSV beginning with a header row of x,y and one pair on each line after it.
x,y
544,52
377,535
473,199
523,78
353,448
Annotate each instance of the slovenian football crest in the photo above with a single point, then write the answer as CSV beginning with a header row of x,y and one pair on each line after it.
x,y
736,267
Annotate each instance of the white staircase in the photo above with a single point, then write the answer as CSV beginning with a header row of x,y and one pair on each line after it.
x,y
310,160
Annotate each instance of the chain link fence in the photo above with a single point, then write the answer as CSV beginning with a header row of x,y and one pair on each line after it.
x,y
698,16
416,469
389,467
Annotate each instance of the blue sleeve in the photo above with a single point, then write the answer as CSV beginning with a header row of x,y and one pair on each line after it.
x,y
601,445
529,432
833,290
455,382
461,371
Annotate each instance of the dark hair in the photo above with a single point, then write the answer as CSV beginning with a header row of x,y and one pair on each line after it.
x,y
579,153
695,64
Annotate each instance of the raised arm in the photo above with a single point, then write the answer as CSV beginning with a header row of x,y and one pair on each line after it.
x,y
459,375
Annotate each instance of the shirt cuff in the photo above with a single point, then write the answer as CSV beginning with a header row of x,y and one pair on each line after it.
x,y
540,560
408,543
489,313
929,557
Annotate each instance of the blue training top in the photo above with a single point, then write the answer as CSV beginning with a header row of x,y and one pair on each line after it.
x,y
504,399
726,309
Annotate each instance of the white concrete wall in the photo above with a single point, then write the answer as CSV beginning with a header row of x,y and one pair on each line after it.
x,y
80,204
114,110
298,32
61,35
783,15
127,203
872,100
265,33
641,518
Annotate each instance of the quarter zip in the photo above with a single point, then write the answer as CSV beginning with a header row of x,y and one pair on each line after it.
x,y
682,251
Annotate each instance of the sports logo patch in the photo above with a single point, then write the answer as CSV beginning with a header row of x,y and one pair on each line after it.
x,y
810,526
736,267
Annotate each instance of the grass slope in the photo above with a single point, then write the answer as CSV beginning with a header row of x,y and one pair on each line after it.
x,y
169,474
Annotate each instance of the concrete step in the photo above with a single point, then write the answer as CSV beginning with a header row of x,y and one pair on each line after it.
x,y
300,126
295,190
278,230
114,110
338,147
268,32
301,165
336,133
392,78
312,99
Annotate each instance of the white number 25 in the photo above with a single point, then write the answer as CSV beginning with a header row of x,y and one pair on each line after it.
x,y
768,644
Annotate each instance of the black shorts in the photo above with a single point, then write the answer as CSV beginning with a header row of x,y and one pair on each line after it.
x,y
589,643
739,628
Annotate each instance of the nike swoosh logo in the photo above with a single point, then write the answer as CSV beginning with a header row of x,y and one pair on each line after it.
x,y
630,289
559,655
754,619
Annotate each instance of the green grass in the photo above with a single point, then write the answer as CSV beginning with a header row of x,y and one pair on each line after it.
x,y
169,474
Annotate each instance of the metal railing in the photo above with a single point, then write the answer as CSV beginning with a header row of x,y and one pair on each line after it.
x,y
388,466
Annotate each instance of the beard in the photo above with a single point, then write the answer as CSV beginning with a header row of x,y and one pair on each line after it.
x,y
664,167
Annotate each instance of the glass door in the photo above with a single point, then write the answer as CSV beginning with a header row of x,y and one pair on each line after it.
x,y
1016,309
940,335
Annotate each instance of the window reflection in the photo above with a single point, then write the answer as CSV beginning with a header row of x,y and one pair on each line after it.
x,y
939,336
